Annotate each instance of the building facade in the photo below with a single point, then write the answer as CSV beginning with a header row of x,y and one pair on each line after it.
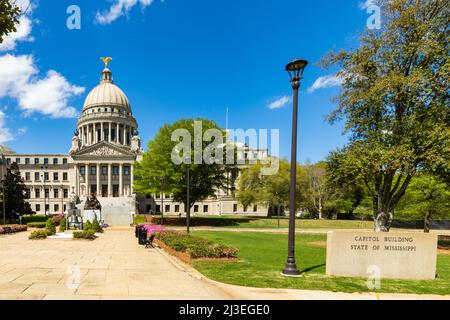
x,y
101,160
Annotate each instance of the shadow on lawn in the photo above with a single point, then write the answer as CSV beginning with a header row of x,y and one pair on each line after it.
x,y
312,268
204,221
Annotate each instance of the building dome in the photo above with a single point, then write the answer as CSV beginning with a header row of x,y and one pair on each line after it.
x,y
107,94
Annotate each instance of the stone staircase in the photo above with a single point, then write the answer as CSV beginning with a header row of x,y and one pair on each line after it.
x,y
115,211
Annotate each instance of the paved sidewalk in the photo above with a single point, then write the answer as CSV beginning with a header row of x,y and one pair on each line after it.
x,y
114,266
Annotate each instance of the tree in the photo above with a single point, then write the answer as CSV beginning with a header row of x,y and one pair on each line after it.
x,y
317,186
394,100
427,197
15,193
9,18
157,166
270,190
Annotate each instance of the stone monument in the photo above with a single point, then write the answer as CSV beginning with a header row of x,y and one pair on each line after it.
x,y
395,255
74,217
92,209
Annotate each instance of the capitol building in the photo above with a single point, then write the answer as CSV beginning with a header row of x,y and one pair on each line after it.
x,y
101,160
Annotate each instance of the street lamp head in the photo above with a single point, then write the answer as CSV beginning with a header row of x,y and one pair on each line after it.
x,y
295,68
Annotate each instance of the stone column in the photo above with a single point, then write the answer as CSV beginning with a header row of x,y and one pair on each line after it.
x,y
121,179
86,172
124,135
99,191
102,133
96,132
88,134
131,178
109,180
109,130
77,191
117,133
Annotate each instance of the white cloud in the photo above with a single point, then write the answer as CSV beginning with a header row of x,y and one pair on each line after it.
x,y
325,82
118,9
5,134
49,95
279,103
367,3
24,27
22,131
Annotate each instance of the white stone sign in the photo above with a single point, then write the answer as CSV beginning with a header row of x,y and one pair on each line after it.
x,y
397,255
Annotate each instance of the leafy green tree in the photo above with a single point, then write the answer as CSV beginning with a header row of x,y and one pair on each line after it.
x,y
9,17
427,197
15,193
317,187
394,99
271,190
157,166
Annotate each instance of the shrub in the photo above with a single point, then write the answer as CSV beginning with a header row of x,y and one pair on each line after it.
x,y
18,228
86,234
50,228
62,225
38,235
12,228
195,246
87,225
34,218
36,224
96,226
57,219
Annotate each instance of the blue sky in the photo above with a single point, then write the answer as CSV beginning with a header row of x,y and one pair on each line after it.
x,y
175,59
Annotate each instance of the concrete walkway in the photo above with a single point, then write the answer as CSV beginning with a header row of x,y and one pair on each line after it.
x,y
114,266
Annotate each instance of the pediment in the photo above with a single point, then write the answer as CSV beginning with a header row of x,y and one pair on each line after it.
x,y
103,150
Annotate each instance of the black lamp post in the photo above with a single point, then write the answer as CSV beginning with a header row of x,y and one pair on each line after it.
x,y
295,70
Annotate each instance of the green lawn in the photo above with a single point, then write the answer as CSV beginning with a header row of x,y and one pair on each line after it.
x,y
259,222
263,256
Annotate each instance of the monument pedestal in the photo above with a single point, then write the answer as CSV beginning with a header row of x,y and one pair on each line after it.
x,y
91,215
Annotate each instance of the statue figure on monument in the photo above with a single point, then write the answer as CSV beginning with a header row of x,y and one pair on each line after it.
x,y
73,200
383,222
92,203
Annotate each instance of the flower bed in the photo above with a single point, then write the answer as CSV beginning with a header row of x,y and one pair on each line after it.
x,y
188,247
12,228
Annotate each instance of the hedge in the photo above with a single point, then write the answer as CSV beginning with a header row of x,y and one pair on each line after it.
x,y
34,218
39,225
87,234
38,235
195,246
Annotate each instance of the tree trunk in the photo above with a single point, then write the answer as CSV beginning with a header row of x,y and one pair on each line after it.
x,y
426,222
320,208
279,210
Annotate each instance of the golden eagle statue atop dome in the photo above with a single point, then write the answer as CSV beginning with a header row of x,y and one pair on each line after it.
x,y
106,60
